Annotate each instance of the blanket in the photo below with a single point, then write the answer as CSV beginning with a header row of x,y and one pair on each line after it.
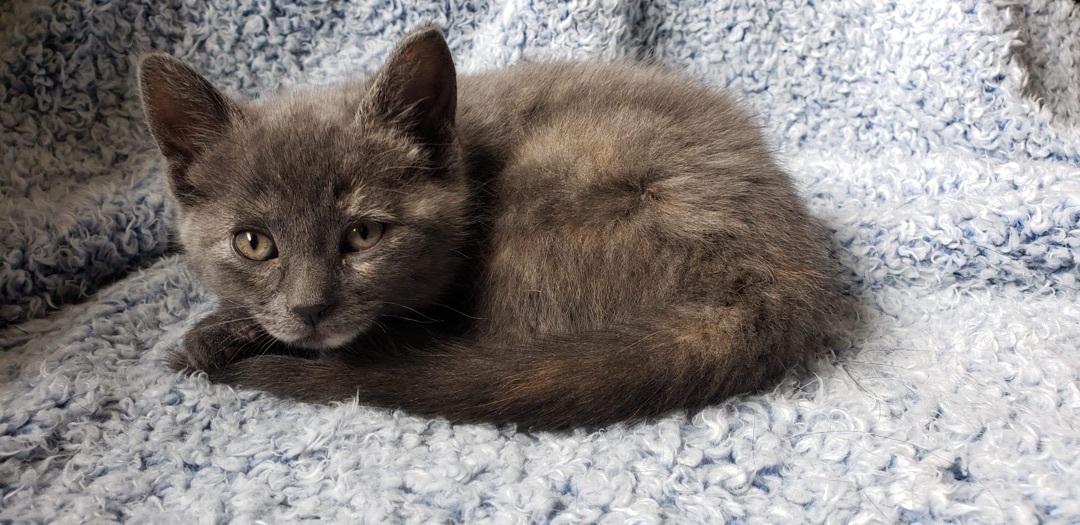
x,y
939,141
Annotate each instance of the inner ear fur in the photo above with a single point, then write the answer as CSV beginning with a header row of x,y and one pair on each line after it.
x,y
186,114
417,87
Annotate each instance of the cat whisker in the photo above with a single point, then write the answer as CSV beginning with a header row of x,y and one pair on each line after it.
x,y
417,168
409,319
264,347
414,310
200,326
459,312
381,327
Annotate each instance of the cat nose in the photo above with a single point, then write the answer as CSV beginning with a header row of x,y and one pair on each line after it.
x,y
310,313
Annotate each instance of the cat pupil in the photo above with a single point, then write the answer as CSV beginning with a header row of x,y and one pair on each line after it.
x,y
362,231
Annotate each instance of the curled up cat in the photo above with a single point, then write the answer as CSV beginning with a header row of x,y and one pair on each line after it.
x,y
551,245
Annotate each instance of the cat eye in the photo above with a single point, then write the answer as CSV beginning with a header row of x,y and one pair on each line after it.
x,y
254,245
362,236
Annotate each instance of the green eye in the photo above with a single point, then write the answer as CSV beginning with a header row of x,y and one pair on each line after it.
x,y
362,236
254,245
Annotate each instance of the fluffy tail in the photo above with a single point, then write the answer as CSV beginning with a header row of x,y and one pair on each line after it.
x,y
628,371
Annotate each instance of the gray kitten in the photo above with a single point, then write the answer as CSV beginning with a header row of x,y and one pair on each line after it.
x,y
551,245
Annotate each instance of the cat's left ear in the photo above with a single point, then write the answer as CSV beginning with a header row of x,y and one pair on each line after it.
x,y
418,87
186,113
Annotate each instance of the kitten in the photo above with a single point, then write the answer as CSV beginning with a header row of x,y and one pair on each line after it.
x,y
551,245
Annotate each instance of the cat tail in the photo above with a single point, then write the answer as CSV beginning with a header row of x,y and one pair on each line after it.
x,y
644,369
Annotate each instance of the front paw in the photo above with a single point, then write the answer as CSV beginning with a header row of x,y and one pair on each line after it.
x,y
218,340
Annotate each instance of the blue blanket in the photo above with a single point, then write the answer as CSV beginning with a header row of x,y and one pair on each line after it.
x,y
940,140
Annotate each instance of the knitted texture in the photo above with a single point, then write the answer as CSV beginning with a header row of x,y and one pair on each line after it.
x,y
940,140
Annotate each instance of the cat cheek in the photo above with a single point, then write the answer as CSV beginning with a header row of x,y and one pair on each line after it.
x,y
361,268
278,330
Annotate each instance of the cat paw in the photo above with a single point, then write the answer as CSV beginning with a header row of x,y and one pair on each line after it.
x,y
289,377
217,341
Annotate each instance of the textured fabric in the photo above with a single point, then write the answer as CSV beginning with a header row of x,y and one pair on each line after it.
x,y
939,139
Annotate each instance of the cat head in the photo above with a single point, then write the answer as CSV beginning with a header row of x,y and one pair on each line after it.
x,y
316,213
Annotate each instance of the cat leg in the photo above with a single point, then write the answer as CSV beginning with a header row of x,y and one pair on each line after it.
x,y
685,359
220,339
317,381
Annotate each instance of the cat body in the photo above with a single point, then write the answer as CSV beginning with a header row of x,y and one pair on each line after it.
x,y
551,245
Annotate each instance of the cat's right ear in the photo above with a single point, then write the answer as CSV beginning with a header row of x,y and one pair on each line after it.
x,y
186,114
417,88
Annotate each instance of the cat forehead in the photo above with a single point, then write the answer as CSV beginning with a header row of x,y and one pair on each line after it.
x,y
332,104
322,154
313,151
301,211
363,191
331,124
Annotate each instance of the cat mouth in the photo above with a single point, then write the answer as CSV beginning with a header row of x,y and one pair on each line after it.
x,y
328,339
327,334
318,338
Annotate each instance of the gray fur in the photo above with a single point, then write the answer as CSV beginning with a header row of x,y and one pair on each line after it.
x,y
566,244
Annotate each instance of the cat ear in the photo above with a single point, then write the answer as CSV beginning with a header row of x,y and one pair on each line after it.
x,y
186,113
418,87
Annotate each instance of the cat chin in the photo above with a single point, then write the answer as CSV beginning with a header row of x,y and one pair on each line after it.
x,y
319,340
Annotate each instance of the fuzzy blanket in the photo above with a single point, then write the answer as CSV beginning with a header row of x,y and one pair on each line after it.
x,y
940,140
